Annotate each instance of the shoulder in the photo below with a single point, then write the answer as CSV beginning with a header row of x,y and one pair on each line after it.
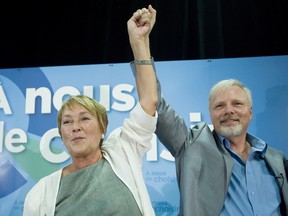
x,y
274,152
201,128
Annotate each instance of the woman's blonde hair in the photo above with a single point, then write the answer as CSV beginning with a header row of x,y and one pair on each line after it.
x,y
93,107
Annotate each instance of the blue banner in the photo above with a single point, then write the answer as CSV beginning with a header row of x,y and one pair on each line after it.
x,y
30,146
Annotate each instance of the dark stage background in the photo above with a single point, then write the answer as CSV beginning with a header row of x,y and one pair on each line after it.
x,y
50,33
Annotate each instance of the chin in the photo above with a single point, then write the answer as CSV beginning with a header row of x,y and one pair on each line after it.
x,y
231,131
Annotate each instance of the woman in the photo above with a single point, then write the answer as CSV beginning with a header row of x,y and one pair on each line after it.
x,y
105,177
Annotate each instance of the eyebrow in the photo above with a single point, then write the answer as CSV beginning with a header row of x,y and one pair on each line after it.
x,y
80,113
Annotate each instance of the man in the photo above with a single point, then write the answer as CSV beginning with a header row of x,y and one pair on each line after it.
x,y
226,171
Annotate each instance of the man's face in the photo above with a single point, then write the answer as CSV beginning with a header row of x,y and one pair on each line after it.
x,y
231,112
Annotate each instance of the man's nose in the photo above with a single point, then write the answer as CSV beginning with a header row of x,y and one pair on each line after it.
x,y
229,108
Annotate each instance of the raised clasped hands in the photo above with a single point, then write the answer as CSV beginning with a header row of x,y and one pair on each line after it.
x,y
141,24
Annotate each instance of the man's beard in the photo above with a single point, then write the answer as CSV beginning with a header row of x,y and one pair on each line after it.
x,y
232,131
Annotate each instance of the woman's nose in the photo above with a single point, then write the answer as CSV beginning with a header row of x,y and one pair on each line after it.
x,y
76,130
76,127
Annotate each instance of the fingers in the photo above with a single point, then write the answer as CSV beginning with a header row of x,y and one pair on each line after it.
x,y
143,16
140,12
153,13
151,9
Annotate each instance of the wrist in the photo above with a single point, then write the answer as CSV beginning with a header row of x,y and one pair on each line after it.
x,y
140,49
148,61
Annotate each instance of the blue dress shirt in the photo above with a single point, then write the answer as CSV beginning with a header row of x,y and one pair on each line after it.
x,y
253,190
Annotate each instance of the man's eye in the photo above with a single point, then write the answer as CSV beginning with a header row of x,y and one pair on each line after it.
x,y
238,104
218,106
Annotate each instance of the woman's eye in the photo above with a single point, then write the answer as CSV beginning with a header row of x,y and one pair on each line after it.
x,y
66,122
85,118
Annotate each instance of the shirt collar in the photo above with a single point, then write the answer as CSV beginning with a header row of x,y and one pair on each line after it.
x,y
256,143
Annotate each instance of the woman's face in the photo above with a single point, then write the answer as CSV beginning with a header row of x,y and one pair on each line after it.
x,y
81,133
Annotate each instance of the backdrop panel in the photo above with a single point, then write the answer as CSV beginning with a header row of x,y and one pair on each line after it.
x,y
30,147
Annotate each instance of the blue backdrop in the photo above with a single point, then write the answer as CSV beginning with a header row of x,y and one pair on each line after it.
x,y
30,147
